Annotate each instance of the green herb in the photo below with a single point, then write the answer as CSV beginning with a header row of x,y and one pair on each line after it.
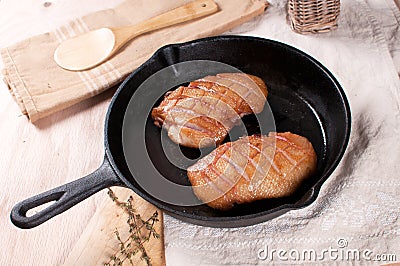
x,y
140,231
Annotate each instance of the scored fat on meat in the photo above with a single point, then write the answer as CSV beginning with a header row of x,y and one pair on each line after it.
x,y
202,113
253,168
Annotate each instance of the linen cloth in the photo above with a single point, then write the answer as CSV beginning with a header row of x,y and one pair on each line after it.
x,y
41,87
358,207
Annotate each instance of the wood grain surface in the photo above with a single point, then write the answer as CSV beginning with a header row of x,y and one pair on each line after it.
x,y
56,150
74,54
98,242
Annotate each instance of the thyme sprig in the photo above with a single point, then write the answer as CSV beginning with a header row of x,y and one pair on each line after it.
x,y
140,231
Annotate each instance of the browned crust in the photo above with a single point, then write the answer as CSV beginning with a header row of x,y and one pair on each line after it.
x,y
292,160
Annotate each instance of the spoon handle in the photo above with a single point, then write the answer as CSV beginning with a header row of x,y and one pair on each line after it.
x,y
195,9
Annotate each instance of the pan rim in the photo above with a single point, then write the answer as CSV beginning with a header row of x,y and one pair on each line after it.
x,y
216,221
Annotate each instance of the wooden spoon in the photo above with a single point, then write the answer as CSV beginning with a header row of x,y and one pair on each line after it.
x,y
90,49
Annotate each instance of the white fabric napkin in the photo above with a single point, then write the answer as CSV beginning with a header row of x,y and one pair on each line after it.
x,y
358,209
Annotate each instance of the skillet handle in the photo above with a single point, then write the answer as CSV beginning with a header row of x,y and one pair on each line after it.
x,y
65,197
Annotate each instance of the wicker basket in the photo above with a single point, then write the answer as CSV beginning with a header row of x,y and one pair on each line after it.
x,y
312,16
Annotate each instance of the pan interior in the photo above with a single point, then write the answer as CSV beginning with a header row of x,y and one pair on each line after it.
x,y
303,120
304,98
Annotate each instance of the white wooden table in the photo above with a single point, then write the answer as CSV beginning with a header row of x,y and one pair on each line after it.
x,y
56,150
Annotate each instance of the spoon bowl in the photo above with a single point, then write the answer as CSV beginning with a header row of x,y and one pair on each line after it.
x,y
96,46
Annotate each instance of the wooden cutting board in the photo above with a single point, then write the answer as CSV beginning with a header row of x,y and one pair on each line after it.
x,y
98,242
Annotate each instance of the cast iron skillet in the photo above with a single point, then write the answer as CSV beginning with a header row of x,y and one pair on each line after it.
x,y
304,98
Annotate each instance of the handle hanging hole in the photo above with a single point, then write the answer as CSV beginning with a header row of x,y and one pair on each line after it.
x,y
37,209
203,5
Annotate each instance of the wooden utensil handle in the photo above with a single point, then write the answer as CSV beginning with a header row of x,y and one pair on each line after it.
x,y
181,14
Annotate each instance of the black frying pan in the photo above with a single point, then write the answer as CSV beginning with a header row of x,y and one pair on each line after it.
x,y
304,98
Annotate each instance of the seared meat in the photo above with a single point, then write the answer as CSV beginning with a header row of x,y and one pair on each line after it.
x,y
202,114
253,168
